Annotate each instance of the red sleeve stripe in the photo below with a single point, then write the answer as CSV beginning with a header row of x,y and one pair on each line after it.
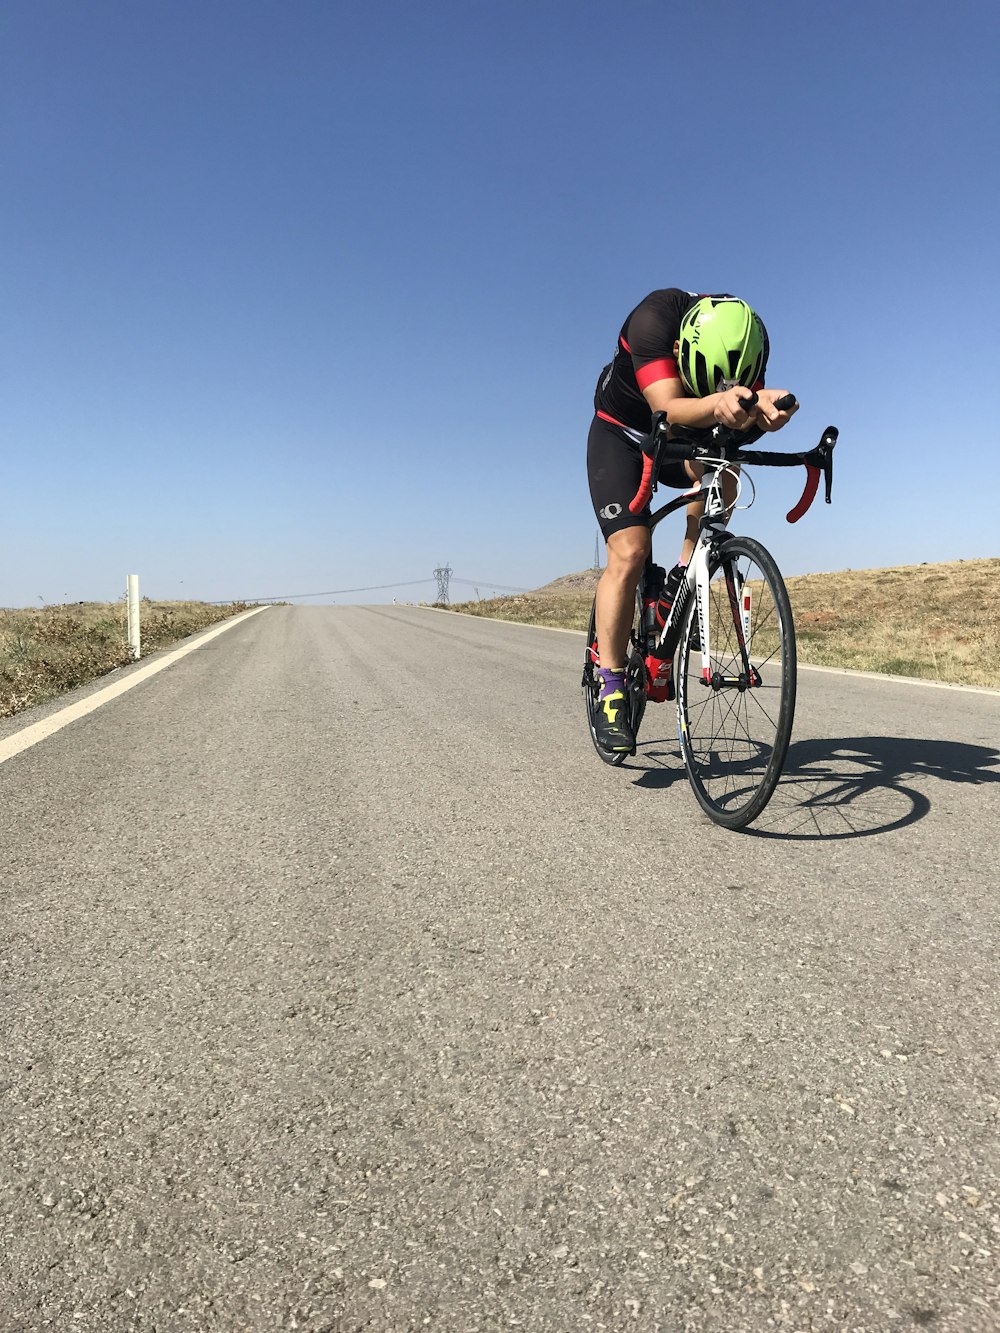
x,y
656,370
625,345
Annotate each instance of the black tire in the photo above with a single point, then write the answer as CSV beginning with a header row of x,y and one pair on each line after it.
x,y
735,728
635,683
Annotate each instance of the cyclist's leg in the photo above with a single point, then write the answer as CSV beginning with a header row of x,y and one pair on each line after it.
x,y
627,550
694,512
614,467
696,508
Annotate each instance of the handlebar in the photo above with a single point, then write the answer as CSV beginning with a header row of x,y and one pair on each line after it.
x,y
731,445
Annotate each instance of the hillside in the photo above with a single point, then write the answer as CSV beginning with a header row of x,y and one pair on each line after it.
x,y
937,622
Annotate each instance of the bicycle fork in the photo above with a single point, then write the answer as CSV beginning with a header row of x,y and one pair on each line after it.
x,y
740,608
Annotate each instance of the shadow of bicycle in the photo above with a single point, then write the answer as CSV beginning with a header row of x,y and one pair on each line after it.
x,y
852,788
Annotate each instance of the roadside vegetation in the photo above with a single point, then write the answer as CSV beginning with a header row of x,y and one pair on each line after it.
x,y
47,650
935,622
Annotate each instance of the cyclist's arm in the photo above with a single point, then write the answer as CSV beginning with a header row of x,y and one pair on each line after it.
x,y
715,408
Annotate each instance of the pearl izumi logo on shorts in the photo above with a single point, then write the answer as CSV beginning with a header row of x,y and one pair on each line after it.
x,y
611,510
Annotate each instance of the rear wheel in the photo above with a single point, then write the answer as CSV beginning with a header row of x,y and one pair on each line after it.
x,y
635,682
735,714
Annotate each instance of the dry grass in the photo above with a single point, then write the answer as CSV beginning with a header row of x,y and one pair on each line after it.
x,y
47,651
938,622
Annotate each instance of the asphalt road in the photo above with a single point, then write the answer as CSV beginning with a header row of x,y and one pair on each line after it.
x,y
344,988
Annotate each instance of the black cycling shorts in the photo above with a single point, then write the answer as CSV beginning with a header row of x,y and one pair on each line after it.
x,y
614,466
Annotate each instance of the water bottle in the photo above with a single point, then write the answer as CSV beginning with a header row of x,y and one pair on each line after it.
x,y
655,576
669,595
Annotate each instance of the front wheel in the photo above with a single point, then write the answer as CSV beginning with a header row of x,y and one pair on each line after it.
x,y
735,705
635,682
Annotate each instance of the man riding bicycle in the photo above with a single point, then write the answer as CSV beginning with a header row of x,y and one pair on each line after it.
x,y
694,358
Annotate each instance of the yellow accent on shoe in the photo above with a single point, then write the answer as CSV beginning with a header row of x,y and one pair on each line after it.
x,y
612,728
617,697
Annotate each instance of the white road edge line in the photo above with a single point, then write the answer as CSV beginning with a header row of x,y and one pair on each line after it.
x,y
803,666
902,680
40,731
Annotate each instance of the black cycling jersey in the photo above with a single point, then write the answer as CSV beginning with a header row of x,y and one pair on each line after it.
x,y
645,354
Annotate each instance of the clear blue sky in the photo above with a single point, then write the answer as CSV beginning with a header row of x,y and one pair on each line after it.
x,y
303,295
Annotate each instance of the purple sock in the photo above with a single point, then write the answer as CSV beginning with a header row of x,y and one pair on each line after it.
x,y
611,681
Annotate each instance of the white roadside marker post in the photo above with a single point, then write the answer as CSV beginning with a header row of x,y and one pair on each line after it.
x,y
132,585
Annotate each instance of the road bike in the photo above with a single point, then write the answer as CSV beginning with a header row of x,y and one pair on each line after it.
x,y
729,626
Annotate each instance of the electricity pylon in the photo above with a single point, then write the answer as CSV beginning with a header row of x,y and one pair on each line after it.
x,y
443,574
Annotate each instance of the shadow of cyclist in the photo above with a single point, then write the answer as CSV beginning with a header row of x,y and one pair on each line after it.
x,y
857,787
853,787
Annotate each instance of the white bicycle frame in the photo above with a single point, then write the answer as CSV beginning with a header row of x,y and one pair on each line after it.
x,y
712,528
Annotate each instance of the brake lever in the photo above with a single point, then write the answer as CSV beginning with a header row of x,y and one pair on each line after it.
x,y
826,447
818,461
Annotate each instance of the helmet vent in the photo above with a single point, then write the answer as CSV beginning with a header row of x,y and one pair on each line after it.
x,y
701,381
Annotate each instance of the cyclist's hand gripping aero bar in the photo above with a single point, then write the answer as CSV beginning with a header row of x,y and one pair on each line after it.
x,y
729,443
657,448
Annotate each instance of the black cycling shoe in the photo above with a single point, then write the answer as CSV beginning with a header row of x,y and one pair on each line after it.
x,y
612,727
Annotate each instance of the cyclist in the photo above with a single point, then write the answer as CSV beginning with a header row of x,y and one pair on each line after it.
x,y
695,358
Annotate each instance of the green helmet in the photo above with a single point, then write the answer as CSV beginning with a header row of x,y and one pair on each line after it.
x,y
722,342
